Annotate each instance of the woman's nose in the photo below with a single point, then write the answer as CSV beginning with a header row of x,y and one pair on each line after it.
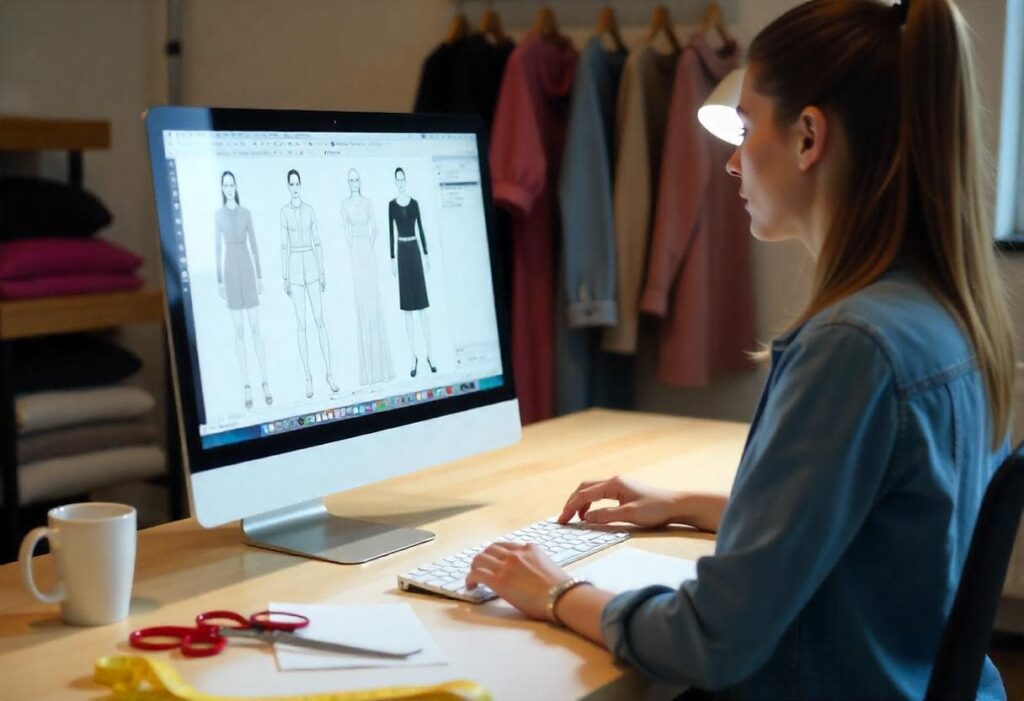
x,y
732,166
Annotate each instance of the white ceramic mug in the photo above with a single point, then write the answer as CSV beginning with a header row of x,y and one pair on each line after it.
x,y
93,547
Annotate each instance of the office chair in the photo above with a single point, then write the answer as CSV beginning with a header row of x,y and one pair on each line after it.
x,y
965,640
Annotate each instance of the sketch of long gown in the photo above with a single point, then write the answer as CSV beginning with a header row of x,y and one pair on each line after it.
x,y
371,332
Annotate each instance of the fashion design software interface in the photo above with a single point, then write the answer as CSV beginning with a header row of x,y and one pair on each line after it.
x,y
326,276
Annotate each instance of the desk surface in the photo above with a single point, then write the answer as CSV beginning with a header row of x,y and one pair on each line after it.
x,y
183,569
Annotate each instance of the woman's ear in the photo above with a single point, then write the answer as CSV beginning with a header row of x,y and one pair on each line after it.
x,y
811,131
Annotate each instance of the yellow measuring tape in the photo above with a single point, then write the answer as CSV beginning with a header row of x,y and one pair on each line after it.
x,y
136,678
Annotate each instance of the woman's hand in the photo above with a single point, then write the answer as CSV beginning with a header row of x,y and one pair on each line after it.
x,y
519,573
644,505
426,263
223,290
259,286
640,504
394,268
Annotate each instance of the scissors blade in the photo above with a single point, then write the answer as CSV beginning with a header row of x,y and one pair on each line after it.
x,y
286,638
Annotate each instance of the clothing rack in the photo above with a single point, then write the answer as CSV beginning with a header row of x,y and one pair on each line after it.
x,y
518,15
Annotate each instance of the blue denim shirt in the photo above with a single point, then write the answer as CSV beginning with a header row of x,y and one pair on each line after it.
x,y
840,550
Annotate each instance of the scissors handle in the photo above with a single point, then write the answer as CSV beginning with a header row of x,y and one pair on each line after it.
x,y
264,620
193,642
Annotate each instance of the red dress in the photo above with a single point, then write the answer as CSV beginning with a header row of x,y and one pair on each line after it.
x,y
526,150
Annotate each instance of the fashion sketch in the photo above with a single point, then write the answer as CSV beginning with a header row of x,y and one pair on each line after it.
x,y
302,263
371,333
239,280
407,265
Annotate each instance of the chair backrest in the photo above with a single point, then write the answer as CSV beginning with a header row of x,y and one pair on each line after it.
x,y
965,639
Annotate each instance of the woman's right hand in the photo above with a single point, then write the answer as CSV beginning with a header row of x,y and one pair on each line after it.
x,y
640,504
643,505
223,290
394,268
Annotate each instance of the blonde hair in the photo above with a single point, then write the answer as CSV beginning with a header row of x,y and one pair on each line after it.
x,y
903,87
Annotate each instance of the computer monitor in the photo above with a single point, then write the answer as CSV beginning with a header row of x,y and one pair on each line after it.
x,y
334,314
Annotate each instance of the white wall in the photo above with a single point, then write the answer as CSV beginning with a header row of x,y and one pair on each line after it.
x,y
102,58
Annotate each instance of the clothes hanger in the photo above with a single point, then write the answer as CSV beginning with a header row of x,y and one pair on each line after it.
x,y
661,22
458,28
546,24
608,25
714,18
490,26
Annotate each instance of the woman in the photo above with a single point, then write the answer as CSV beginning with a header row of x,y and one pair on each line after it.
x,y
361,234
886,409
238,282
407,264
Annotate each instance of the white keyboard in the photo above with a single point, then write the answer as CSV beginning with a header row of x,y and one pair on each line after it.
x,y
564,543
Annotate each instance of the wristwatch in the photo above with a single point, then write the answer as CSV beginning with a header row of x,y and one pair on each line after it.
x,y
558,591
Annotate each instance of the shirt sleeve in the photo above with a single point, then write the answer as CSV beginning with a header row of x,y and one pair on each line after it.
x,y
518,162
588,239
809,476
252,244
682,185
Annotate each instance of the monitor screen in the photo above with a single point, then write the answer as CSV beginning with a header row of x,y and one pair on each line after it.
x,y
329,281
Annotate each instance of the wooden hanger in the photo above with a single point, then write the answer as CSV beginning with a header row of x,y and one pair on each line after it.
x,y
714,18
546,24
608,24
661,22
490,26
458,28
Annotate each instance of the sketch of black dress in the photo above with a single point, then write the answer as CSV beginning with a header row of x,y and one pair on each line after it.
x,y
371,332
402,224
240,268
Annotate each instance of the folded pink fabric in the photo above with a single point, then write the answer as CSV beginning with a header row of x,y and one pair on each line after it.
x,y
47,257
57,285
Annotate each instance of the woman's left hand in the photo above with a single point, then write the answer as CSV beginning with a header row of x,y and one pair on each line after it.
x,y
426,263
522,574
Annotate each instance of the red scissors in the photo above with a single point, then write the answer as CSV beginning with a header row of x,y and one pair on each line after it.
x,y
210,635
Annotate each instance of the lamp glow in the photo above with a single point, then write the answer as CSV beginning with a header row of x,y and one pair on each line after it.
x,y
718,113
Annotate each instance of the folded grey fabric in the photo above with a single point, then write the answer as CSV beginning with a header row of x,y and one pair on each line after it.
x,y
50,480
74,440
45,411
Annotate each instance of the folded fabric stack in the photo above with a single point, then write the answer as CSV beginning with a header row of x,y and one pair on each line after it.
x,y
75,434
46,247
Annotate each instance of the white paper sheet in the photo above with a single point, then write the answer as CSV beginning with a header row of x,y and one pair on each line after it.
x,y
631,568
388,627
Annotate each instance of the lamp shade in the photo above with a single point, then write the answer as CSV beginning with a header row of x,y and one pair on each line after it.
x,y
718,113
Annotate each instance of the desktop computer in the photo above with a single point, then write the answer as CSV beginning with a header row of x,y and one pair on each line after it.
x,y
333,312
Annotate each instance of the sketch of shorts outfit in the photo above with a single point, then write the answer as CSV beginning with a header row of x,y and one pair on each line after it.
x,y
301,224
402,223
374,350
238,275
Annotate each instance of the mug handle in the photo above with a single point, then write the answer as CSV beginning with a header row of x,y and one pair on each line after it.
x,y
28,546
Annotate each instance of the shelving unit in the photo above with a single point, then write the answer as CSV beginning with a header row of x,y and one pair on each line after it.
x,y
55,315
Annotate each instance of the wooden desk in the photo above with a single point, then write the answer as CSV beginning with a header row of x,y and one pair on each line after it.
x,y
182,570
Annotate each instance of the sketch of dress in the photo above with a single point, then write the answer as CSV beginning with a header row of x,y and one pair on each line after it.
x,y
412,287
374,349
235,232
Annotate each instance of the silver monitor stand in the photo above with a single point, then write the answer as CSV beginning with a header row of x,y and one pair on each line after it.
x,y
308,529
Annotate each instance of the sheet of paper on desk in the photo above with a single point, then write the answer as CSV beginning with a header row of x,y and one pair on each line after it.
x,y
631,568
389,627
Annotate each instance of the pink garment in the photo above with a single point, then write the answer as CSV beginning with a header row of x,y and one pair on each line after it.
x,y
46,257
58,285
699,274
526,149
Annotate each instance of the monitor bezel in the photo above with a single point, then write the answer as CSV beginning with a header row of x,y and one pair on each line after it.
x,y
184,355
